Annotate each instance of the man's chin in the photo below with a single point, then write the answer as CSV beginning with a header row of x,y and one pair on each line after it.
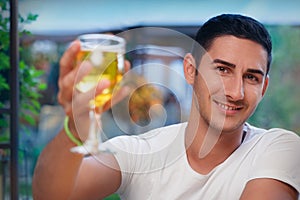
x,y
225,127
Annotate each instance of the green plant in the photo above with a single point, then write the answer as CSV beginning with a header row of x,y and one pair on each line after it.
x,y
28,75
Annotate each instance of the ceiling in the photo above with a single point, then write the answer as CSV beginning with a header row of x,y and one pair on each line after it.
x,y
63,17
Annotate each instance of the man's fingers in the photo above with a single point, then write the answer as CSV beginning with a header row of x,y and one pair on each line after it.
x,y
117,96
103,84
84,68
85,97
127,66
81,101
68,82
67,61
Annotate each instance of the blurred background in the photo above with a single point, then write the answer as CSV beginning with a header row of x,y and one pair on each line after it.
x,y
47,28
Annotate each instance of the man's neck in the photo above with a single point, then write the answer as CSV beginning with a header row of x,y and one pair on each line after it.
x,y
207,147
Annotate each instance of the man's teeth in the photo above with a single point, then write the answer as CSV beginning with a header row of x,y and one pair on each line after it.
x,y
225,107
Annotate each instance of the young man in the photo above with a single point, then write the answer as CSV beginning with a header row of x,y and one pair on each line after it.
x,y
215,155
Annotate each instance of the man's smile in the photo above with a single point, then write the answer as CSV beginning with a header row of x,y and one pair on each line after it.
x,y
229,107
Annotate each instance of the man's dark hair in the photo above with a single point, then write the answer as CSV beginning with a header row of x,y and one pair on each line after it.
x,y
236,25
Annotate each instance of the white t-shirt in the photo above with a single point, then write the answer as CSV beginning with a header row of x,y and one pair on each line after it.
x,y
155,166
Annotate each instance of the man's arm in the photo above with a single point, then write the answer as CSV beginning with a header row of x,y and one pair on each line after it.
x,y
60,174
268,189
98,177
56,170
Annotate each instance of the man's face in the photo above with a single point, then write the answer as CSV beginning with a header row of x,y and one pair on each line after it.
x,y
230,83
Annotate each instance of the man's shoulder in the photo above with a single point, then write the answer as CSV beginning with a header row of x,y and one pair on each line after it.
x,y
165,131
151,140
272,134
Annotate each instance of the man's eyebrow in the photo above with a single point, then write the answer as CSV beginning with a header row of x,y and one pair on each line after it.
x,y
223,62
256,71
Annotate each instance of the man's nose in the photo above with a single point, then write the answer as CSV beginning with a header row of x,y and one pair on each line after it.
x,y
234,89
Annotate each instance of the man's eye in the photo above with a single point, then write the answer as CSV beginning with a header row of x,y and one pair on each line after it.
x,y
251,78
222,69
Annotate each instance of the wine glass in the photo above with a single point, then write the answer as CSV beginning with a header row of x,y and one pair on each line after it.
x,y
106,54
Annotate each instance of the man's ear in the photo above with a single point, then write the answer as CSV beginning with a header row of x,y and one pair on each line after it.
x,y
189,68
266,83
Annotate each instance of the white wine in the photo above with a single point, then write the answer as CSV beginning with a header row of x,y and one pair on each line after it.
x,y
105,66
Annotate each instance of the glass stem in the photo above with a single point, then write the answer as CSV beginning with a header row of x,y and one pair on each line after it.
x,y
93,139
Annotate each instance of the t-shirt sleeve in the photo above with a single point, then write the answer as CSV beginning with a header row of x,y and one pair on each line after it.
x,y
141,155
123,148
279,158
131,155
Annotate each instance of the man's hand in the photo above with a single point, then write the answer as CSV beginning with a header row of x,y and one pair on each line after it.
x,y
74,102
